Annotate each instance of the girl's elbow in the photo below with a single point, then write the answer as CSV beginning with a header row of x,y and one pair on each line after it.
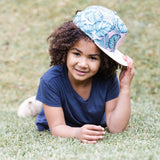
x,y
116,130
54,131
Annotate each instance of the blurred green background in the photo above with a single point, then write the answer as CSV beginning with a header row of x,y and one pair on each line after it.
x,y
25,25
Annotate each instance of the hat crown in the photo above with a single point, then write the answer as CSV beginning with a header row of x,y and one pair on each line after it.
x,y
102,25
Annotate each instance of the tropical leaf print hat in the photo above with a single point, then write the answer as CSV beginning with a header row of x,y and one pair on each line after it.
x,y
105,28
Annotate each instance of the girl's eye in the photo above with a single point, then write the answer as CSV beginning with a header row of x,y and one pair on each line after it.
x,y
93,58
76,53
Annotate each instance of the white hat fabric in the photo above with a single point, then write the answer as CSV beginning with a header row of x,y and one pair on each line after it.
x,y
105,28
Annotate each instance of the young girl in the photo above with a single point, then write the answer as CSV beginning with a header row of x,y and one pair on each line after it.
x,y
81,93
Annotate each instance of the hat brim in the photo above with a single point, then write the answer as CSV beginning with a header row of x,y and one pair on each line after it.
x,y
116,55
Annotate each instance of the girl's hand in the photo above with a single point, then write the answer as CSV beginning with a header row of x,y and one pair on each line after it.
x,y
90,133
127,73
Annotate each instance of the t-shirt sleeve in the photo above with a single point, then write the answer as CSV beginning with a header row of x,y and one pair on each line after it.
x,y
113,88
48,95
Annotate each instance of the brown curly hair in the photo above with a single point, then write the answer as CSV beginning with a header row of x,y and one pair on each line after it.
x,y
64,38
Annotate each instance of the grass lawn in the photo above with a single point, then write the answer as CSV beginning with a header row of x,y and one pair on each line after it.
x,y
24,27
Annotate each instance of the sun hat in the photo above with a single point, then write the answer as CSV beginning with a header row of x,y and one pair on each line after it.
x,y
105,28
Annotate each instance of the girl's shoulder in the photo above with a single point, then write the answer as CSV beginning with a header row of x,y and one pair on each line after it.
x,y
55,73
106,84
107,81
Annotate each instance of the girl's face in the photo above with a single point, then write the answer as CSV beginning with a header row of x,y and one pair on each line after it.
x,y
83,61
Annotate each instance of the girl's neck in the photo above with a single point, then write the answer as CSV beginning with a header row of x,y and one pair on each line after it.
x,y
83,88
80,84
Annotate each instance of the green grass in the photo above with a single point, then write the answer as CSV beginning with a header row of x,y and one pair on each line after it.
x,y
20,140
24,27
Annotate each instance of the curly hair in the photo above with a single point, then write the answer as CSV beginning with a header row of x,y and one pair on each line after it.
x,y
65,37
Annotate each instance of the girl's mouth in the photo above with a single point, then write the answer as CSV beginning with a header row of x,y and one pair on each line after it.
x,y
79,72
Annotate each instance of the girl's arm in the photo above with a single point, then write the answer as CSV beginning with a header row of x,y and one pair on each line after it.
x,y
118,110
56,121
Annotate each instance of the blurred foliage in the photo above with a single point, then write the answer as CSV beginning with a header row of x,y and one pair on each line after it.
x,y
25,25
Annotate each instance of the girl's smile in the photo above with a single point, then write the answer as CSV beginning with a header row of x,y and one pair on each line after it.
x,y
81,72
83,61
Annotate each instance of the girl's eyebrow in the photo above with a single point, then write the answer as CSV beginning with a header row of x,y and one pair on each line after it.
x,y
76,50
82,52
94,55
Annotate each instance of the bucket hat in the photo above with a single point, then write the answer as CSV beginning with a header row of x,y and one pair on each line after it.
x,y
105,28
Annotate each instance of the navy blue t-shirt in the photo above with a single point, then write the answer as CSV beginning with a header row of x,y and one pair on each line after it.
x,y
55,90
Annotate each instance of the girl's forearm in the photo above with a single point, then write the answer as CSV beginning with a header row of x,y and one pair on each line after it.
x,y
120,116
65,131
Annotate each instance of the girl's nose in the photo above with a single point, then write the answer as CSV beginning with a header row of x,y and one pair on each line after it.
x,y
83,63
